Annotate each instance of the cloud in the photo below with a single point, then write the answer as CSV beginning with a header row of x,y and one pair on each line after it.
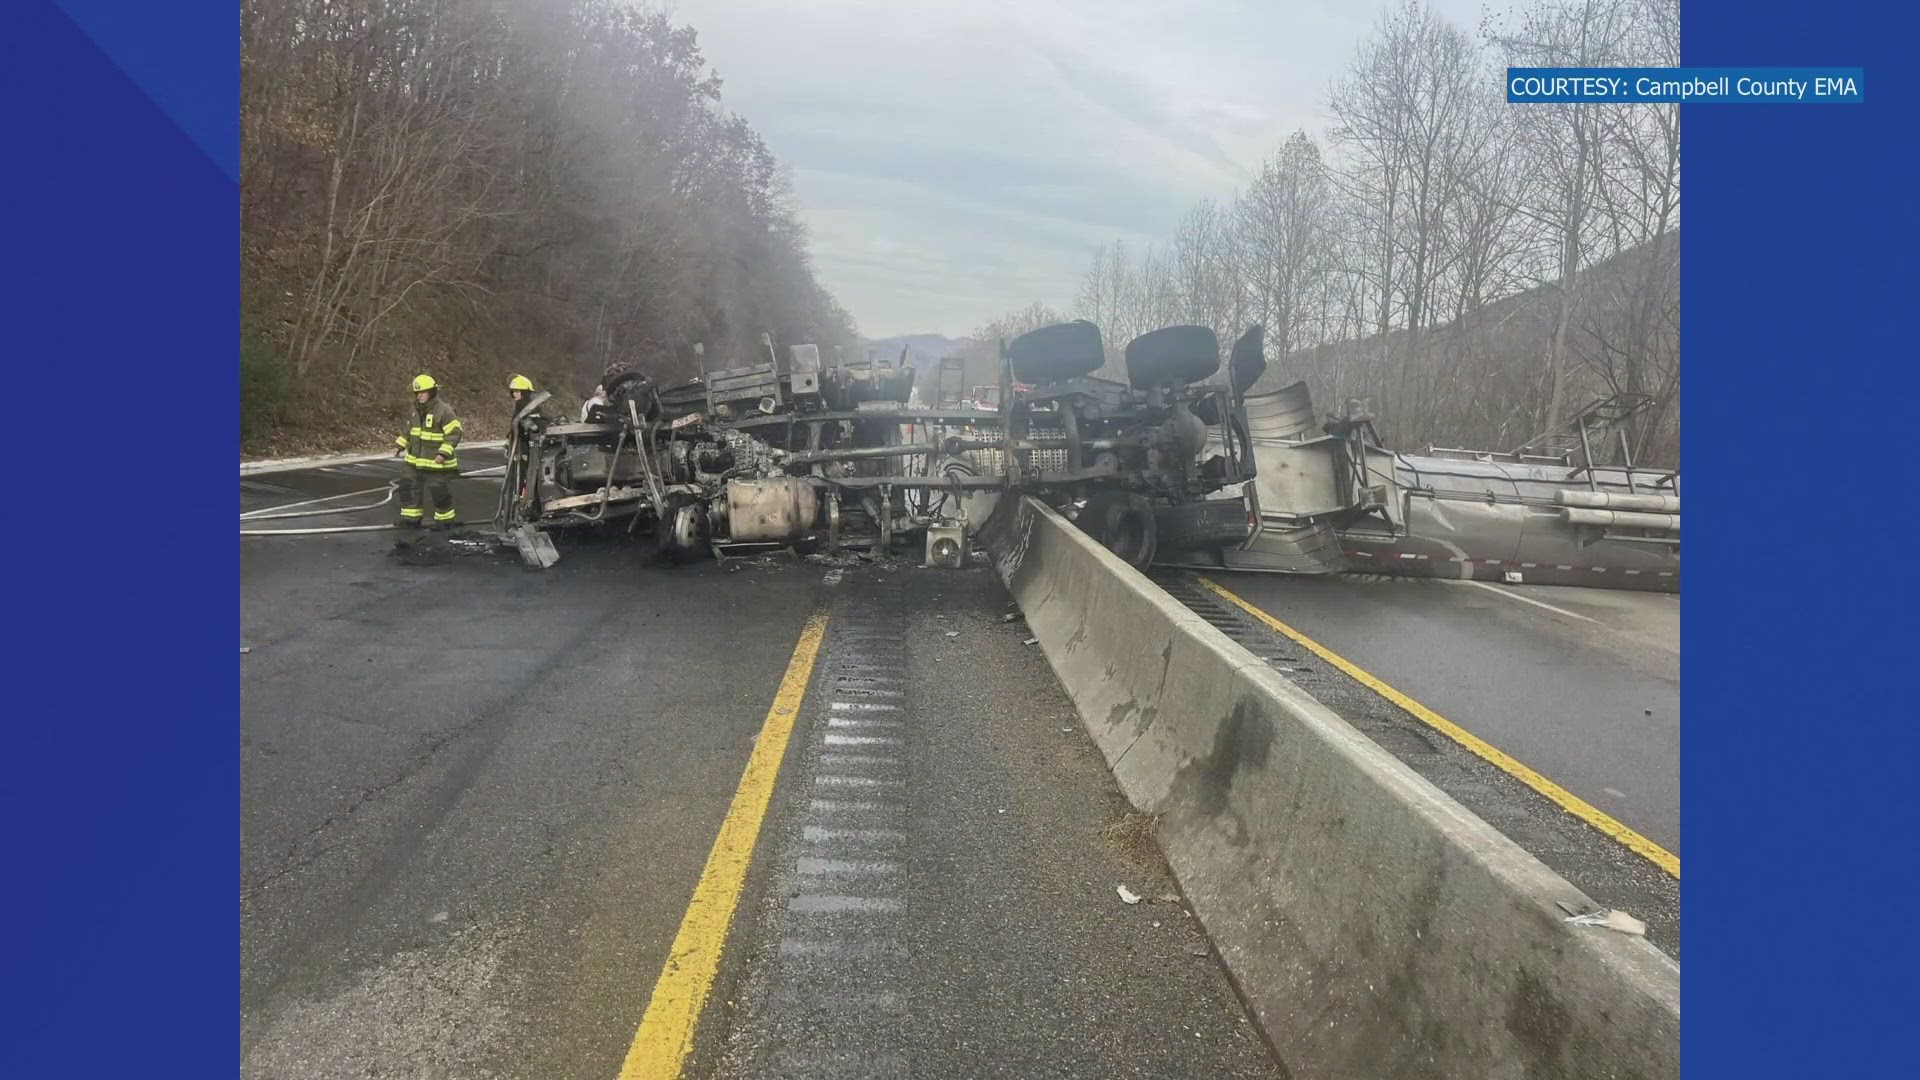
x,y
953,161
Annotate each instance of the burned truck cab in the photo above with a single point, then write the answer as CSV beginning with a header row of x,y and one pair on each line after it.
x,y
794,452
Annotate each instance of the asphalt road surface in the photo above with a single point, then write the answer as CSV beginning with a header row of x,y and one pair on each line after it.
x,y
1581,685
476,800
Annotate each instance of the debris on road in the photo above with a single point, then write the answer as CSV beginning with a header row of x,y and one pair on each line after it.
x,y
1612,920
246,648
1030,641
535,547
844,559
953,633
440,548
1008,617
1127,895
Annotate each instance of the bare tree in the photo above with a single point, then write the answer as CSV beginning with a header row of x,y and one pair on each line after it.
x,y
492,185
1563,147
1473,267
1640,202
1207,275
1154,299
1280,232
1107,299
1405,116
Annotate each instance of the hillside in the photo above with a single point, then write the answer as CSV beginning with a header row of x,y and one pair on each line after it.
x,y
1482,382
490,193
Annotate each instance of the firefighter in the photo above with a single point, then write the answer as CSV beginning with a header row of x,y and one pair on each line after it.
x,y
520,389
599,398
430,448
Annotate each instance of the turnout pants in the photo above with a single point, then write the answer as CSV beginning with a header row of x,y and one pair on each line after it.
x,y
417,486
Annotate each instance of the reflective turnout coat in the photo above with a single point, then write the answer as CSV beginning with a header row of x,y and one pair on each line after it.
x,y
435,425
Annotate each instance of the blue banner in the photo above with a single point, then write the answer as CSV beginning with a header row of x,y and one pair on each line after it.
x,y
1754,86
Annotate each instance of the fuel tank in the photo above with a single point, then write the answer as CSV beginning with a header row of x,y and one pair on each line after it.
x,y
771,510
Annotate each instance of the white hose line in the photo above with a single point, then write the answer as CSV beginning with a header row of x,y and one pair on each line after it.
x,y
298,464
269,511
261,515
313,532
274,513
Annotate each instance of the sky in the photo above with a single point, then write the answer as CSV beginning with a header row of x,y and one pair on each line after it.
x,y
953,161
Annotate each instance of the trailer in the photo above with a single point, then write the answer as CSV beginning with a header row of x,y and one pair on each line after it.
x,y
1327,497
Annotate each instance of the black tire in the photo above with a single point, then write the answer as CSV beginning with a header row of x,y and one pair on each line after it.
x,y
622,381
683,532
1124,524
1056,353
1182,355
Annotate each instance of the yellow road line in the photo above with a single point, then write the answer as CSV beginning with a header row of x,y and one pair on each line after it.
x,y
1566,800
665,1037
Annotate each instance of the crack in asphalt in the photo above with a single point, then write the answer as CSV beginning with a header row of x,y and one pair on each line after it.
x,y
293,861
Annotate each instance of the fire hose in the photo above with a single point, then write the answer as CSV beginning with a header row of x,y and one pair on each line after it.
x,y
278,513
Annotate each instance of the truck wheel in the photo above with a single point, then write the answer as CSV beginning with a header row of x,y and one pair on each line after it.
x,y
684,538
1182,355
1123,523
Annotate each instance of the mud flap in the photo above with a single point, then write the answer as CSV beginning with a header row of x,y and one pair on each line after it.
x,y
536,547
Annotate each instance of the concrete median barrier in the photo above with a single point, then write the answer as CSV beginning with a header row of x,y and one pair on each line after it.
x,y
1375,926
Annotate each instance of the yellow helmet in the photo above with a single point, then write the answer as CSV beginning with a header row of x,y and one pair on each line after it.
x,y
423,382
520,382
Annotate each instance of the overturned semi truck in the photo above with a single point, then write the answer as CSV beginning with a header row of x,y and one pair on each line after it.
x,y
1179,464
795,452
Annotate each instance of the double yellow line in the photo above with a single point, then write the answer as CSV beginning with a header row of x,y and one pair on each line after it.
x,y
666,1032
1499,759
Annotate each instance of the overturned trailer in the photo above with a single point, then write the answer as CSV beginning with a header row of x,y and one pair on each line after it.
x,y
1327,497
794,452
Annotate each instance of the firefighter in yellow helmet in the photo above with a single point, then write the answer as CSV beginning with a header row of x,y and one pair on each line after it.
x,y
520,389
431,450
